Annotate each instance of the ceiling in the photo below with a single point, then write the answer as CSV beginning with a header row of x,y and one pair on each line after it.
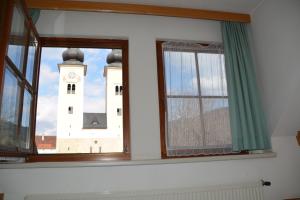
x,y
239,6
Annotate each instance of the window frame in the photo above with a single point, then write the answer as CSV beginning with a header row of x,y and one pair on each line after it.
x,y
162,96
19,74
92,43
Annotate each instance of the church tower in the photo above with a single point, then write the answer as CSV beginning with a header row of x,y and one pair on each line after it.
x,y
114,91
70,94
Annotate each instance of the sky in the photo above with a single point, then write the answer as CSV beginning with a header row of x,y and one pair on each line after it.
x,y
94,90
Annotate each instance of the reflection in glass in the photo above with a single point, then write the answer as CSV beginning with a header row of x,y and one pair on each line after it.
x,y
9,111
184,123
25,125
180,73
17,39
216,121
30,59
212,74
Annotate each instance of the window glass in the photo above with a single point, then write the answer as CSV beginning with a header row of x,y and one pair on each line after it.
x,y
197,116
9,111
17,39
26,120
212,74
93,113
180,73
31,58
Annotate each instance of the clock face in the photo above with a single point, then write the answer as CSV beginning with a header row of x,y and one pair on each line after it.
x,y
71,75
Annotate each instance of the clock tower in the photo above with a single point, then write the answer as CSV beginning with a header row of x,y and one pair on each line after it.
x,y
70,94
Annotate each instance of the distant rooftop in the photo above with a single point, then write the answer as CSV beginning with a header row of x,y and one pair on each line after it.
x,y
45,142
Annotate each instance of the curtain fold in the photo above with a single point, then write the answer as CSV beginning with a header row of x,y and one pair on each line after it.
x,y
248,126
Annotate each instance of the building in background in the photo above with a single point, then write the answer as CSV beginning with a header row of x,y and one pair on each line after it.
x,y
81,132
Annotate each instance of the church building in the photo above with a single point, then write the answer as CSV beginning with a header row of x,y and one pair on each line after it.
x,y
81,132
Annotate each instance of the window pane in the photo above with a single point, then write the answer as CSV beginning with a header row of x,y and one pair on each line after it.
x,y
9,111
17,39
77,105
180,73
26,119
184,123
212,74
216,122
31,56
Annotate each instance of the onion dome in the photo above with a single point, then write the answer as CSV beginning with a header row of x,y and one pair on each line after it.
x,y
73,55
115,56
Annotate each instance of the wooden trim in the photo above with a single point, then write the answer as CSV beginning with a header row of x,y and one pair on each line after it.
x,y
78,157
126,110
83,42
138,9
4,40
89,43
161,96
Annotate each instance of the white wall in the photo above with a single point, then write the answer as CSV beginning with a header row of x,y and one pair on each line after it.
x,y
276,31
142,31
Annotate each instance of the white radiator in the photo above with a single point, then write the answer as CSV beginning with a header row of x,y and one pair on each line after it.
x,y
249,191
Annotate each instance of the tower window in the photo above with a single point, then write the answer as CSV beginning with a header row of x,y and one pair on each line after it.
x,y
69,89
117,90
73,88
121,90
119,111
70,109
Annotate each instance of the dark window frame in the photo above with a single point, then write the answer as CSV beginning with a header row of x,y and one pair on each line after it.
x,y
20,74
93,43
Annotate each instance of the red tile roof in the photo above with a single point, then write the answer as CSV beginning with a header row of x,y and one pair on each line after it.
x,y
45,142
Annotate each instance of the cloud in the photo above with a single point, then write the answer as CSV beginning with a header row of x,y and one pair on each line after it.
x,y
52,54
46,114
47,75
94,105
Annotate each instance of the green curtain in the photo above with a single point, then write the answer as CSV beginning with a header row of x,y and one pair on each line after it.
x,y
247,121
34,14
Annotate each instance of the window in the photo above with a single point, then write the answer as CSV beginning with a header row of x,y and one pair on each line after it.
x,y
19,114
117,90
73,88
119,111
193,100
19,47
93,81
121,90
69,89
70,109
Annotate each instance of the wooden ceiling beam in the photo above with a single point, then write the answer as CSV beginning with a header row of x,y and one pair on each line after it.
x,y
137,9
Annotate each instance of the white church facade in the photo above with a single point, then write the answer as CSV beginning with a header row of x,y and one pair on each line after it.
x,y
81,132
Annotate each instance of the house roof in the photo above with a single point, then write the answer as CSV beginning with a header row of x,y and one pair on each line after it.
x,y
45,142
94,121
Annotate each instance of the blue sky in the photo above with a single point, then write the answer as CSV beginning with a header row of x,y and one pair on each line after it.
x,y
94,91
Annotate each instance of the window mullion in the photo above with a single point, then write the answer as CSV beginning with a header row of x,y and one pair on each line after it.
x,y
200,99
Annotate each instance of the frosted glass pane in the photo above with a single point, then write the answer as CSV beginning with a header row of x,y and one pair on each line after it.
x,y
180,73
184,123
212,74
216,122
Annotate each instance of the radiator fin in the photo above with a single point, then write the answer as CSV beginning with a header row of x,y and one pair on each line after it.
x,y
252,191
